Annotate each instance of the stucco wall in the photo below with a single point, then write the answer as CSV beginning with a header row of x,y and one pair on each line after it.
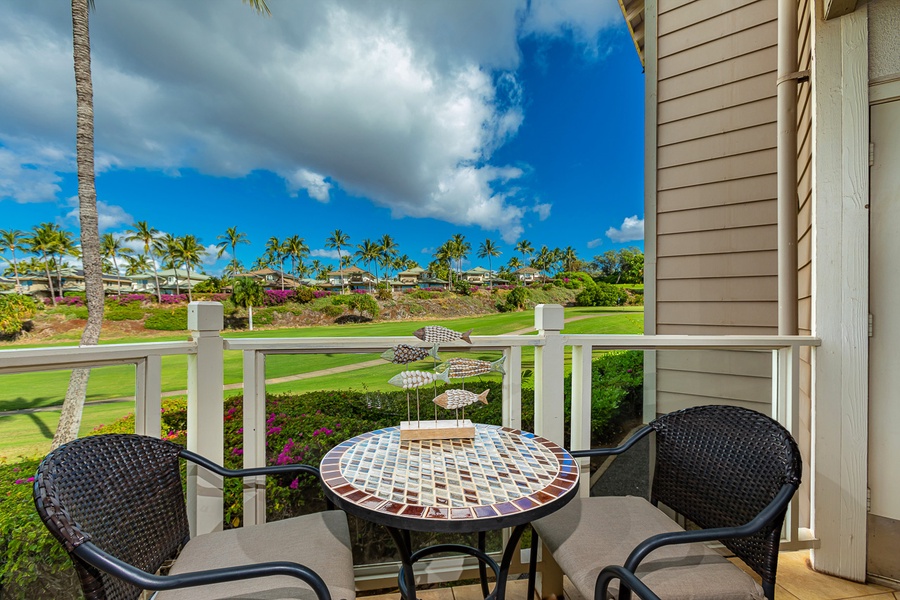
x,y
884,43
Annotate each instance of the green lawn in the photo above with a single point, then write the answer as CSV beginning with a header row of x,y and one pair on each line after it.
x,y
30,433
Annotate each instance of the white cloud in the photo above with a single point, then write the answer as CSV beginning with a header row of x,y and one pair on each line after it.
x,y
109,216
322,253
402,103
632,229
210,258
594,242
314,184
542,210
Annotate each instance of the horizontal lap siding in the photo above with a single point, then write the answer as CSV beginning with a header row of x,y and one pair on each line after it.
x,y
716,232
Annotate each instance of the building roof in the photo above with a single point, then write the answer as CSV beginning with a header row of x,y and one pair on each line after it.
x,y
414,271
181,273
351,270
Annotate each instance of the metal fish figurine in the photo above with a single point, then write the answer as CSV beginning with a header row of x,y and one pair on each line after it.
x,y
454,399
413,379
436,334
402,354
467,367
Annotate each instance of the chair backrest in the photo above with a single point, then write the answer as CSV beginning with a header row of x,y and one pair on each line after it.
x,y
720,466
121,492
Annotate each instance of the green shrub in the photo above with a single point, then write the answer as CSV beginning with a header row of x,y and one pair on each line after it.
x,y
383,292
617,392
422,294
364,303
601,294
574,280
332,310
15,309
129,312
167,319
462,287
303,295
516,299
32,563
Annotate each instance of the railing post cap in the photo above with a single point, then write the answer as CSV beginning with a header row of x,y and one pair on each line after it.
x,y
206,316
549,317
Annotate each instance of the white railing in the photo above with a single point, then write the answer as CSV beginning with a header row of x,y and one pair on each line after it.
x,y
206,390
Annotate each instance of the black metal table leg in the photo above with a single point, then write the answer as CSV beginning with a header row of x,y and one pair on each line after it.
x,y
512,546
406,578
532,563
482,568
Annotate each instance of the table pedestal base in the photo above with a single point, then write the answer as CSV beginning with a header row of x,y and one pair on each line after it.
x,y
406,578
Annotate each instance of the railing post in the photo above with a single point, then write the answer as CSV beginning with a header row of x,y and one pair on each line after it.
x,y
205,434
549,358
254,436
148,396
549,420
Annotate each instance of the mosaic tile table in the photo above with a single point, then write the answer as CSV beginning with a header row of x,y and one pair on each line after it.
x,y
501,478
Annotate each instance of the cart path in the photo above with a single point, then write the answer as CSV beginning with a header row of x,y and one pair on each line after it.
x,y
298,377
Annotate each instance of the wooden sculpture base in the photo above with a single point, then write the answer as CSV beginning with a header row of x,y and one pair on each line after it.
x,y
447,429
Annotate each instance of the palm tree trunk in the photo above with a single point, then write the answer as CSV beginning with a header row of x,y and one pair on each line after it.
x,y
70,419
250,312
156,278
118,276
49,280
189,286
16,271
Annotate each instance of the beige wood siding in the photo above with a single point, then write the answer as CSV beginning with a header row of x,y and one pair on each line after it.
x,y
716,232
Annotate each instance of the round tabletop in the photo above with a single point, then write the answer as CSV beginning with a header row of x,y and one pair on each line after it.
x,y
501,478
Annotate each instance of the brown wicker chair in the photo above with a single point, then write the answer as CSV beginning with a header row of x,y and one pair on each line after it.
x,y
728,470
117,504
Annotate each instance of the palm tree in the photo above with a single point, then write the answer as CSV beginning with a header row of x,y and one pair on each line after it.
x,y
231,238
275,249
111,247
296,249
65,246
73,405
367,252
337,240
544,260
136,264
43,241
70,416
190,252
142,232
460,249
247,292
525,248
165,247
488,249
10,239
570,259
316,268
514,265
388,251
445,254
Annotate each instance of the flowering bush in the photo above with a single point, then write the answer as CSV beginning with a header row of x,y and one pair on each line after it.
x,y
277,297
65,301
128,299
321,293
173,298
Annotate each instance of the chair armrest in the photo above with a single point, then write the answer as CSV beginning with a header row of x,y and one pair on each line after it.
x,y
755,525
108,563
272,470
618,449
628,579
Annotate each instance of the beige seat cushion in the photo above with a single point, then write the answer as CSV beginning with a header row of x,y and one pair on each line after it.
x,y
591,533
320,541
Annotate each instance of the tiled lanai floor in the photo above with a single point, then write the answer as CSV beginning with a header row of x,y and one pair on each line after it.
x,y
796,581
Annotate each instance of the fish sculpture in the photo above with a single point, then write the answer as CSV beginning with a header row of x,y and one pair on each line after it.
x,y
436,334
403,354
454,399
414,379
467,367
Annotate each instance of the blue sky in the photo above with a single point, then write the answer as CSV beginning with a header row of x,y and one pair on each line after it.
x,y
506,120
